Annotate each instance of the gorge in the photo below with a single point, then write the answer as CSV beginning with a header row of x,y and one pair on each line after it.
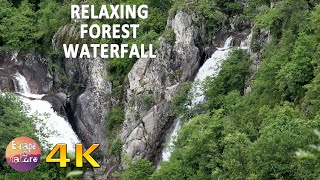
x,y
230,92
141,136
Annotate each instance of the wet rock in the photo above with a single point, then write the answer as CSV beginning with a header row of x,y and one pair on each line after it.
x,y
62,96
32,65
58,104
6,83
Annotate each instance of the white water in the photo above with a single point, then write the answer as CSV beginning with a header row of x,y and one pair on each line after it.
x,y
51,128
210,68
166,153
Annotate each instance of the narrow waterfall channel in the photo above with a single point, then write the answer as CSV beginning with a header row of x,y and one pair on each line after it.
x,y
52,128
210,68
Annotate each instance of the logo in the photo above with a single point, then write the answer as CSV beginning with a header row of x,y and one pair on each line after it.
x,y
79,155
23,154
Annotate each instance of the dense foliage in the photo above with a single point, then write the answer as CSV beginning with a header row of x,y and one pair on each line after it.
x,y
256,135
234,134
137,169
13,120
30,26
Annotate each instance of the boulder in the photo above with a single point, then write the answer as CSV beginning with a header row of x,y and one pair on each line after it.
x,y
6,83
58,104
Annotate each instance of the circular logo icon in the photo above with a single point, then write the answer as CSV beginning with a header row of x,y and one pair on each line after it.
x,y
23,154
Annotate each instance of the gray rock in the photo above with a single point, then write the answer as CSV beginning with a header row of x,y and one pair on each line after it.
x,y
32,65
90,106
90,97
35,69
144,126
6,83
62,96
58,104
258,39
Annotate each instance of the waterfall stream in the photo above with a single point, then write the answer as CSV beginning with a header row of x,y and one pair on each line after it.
x,y
51,128
210,68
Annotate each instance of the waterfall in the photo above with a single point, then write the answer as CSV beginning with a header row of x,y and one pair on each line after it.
x,y
166,153
210,68
51,128
21,84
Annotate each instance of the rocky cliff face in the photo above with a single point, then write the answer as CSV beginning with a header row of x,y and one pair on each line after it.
x,y
89,98
158,79
88,109
85,105
32,65
151,83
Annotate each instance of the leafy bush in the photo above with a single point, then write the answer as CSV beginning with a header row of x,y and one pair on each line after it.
x,y
147,99
137,169
169,36
231,77
114,117
14,121
116,148
181,100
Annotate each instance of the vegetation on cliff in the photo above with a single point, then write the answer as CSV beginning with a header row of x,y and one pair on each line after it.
x,y
256,135
234,135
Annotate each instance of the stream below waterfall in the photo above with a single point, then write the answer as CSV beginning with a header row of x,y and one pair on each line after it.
x,y
210,68
52,128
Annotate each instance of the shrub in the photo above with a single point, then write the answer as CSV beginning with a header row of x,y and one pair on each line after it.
x,y
181,99
137,169
115,117
169,36
116,148
147,99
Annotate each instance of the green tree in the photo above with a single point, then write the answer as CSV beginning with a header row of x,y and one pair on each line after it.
x,y
13,120
197,153
232,76
51,16
235,156
299,71
18,31
137,169
311,104
283,132
115,117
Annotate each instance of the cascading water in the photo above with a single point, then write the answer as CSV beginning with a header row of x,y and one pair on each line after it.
x,y
166,153
210,68
52,128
